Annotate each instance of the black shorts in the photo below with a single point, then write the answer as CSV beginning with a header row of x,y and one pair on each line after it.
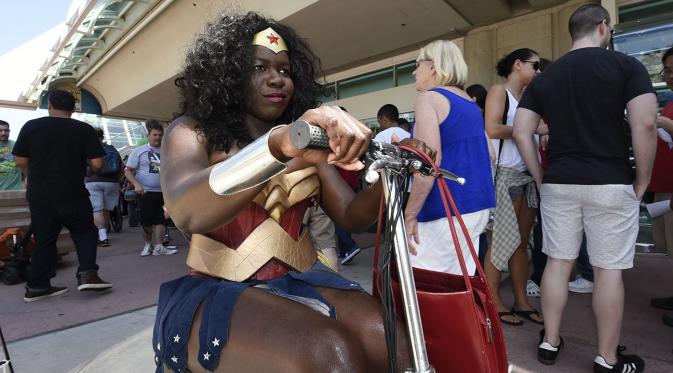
x,y
151,209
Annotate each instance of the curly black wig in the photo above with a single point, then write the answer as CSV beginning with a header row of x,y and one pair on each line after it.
x,y
218,67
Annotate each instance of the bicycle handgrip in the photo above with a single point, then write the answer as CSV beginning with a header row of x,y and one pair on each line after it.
x,y
304,135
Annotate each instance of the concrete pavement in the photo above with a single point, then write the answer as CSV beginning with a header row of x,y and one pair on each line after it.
x,y
61,334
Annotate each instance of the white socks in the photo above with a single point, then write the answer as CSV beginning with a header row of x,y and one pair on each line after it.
x,y
102,234
548,346
601,361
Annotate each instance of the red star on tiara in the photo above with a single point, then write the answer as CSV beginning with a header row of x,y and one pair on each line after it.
x,y
272,39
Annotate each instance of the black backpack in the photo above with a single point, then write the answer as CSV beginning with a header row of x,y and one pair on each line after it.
x,y
112,163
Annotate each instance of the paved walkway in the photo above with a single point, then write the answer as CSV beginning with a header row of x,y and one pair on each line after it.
x,y
62,335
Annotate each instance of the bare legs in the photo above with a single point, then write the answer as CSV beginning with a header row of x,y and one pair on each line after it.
x,y
608,304
554,295
518,263
154,234
272,334
101,219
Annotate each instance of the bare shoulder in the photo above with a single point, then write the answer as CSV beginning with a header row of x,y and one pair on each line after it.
x,y
183,134
184,129
496,89
429,99
183,123
428,96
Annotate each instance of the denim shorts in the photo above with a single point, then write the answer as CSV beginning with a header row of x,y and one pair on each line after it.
x,y
519,190
516,192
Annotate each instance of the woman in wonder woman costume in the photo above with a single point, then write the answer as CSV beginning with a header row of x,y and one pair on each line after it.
x,y
256,298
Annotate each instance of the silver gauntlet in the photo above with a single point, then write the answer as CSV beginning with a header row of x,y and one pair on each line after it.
x,y
250,167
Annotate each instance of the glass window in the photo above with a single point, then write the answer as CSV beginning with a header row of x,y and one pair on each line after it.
x,y
647,45
404,73
332,94
644,9
121,133
372,82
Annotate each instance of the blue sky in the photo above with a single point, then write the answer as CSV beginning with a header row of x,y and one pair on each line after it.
x,y
24,19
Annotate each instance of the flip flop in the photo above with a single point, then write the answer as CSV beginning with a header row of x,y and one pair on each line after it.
x,y
509,313
526,315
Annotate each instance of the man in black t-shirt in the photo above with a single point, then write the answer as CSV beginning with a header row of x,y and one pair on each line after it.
x,y
53,152
589,185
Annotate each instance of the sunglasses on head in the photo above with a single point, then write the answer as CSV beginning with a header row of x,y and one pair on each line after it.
x,y
535,64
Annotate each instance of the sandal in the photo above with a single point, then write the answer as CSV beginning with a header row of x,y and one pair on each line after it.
x,y
509,313
526,314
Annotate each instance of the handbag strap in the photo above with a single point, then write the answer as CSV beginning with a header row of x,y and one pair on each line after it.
x,y
449,205
502,141
446,197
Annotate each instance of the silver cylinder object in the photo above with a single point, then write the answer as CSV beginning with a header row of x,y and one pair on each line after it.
x,y
250,167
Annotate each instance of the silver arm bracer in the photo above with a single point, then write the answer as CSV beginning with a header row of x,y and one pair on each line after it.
x,y
250,167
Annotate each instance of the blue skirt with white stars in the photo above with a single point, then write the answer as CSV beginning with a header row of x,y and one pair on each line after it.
x,y
179,299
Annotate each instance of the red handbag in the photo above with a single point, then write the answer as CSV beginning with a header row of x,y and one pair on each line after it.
x,y
460,321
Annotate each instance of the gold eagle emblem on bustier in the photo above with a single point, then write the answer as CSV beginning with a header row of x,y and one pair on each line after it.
x,y
268,240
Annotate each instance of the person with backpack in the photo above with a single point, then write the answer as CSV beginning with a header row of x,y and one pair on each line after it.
x,y
104,189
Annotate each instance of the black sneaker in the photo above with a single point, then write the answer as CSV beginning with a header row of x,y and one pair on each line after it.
x,y
89,281
104,243
52,291
350,255
668,320
662,303
625,363
546,353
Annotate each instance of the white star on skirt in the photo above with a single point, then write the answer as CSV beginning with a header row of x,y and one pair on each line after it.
x,y
176,339
158,346
216,342
175,359
206,356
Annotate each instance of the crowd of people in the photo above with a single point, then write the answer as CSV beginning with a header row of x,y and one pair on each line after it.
x,y
545,153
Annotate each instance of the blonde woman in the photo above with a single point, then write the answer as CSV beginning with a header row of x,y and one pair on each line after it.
x,y
447,120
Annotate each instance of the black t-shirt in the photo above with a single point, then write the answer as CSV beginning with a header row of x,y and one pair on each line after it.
x,y
583,96
58,150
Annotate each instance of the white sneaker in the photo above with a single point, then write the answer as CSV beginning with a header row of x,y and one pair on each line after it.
x,y
581,285
162,250
532,290
147,250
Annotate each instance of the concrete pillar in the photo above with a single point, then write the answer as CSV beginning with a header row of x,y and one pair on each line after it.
x,y
479,54
611,6
545,31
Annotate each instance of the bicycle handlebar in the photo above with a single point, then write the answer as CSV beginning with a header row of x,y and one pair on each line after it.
x,y
304,135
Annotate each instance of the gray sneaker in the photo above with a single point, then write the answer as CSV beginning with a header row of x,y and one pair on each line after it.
x,y
581,285
147,250
162,250
532,290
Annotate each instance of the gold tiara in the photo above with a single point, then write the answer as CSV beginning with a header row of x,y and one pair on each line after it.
x,y
271,39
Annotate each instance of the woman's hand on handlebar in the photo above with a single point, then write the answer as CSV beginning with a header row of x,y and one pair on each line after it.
x,y
348,139
418,144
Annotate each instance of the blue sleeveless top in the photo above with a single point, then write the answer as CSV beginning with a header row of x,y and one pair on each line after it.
x,y
465,153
